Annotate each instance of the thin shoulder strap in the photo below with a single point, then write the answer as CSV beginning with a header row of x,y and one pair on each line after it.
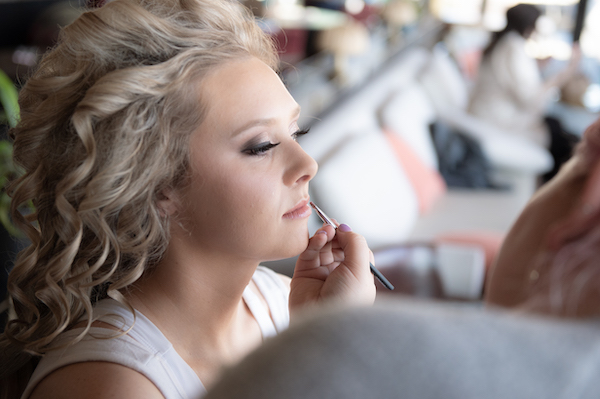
x,y
275,318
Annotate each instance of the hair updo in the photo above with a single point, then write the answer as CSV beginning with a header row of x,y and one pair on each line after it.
x,y
105,126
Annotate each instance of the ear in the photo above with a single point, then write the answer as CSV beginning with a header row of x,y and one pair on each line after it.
x,y
167,202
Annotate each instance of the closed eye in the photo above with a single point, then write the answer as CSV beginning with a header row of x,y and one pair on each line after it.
x,y
260,149
299,133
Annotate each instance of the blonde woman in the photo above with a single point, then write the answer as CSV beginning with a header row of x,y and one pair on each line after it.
x,y
159,149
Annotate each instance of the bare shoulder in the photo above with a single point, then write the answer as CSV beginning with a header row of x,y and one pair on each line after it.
x,y
95,380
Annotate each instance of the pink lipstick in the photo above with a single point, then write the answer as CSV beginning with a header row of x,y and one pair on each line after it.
x,y
302,210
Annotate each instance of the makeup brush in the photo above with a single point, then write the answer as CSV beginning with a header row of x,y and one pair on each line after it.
x,y
375,272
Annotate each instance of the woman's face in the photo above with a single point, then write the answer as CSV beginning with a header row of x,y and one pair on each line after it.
x,y
248,192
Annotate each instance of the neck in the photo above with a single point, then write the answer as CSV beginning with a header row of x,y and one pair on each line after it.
x,y
195,299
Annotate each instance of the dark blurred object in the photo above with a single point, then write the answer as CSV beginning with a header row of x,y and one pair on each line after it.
x,y
411,269
9,247
44,30
562,144
327,4
96,3
580,19
28,29
439,270
291,44
18,18
461,160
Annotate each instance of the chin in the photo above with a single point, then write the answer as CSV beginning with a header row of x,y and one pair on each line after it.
x,y
293,247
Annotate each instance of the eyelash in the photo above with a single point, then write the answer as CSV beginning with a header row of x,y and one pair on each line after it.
x,y
299,133
263,148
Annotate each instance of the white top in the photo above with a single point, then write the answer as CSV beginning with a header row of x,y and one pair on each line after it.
x,y
509,91
145,349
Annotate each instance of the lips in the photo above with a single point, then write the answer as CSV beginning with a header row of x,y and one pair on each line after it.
x,y
300,211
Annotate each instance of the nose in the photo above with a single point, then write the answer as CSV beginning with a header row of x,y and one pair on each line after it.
x,y
302,167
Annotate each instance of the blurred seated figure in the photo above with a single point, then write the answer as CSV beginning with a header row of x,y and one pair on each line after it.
x,y
510,91
537,337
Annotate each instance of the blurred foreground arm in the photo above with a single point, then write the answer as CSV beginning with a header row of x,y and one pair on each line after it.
x,y
562,210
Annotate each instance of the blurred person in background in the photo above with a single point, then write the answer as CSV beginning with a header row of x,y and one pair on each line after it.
x,y
510,91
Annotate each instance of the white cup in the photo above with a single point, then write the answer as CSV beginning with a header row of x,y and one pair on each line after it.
x,y
461,268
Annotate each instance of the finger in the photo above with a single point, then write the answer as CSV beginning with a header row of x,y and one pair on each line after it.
x,y
590,199
316,244
590,144
584,217
355,250
571,229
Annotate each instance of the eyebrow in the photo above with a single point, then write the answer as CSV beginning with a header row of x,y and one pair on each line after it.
x,y
263,122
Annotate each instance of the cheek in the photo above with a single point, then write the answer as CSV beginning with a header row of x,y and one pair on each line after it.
x,y
255,203
240,196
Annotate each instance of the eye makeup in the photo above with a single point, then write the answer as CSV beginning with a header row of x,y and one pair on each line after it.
x,y
259,148
300,132
375,272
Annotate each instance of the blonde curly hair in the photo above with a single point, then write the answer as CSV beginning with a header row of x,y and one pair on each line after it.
x,y
105,124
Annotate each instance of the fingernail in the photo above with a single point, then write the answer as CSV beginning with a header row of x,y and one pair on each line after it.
x,y
321,232
344,227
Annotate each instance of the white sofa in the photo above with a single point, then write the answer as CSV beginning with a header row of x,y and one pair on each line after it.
x,y
361,181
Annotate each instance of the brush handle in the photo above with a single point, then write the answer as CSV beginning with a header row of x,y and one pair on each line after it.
x,y
381,277
375,272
